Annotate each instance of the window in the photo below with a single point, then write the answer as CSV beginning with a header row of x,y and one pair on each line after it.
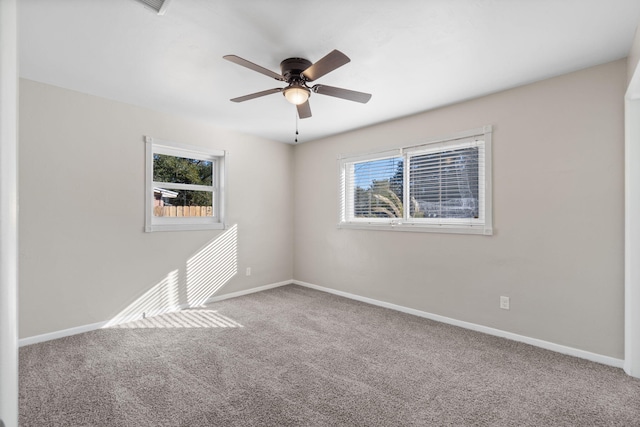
x,y
184,187
445,183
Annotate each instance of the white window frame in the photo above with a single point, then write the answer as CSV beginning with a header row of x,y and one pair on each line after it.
x,y
482,225
217,157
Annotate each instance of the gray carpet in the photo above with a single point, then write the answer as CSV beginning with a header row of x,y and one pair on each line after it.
x,y
292,356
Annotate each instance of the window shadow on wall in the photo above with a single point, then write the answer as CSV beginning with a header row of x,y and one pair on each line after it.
x,y
212,267
207,271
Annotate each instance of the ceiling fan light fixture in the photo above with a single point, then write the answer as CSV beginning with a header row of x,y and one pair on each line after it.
x,y
297,95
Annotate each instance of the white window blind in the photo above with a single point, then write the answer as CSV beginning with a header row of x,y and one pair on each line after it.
x,y
375,188
446,185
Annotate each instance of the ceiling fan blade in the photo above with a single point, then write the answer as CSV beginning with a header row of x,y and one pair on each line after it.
x,y
350,95
256,95
304,110
328,63
255,67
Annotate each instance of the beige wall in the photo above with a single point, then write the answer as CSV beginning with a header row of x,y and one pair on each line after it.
x,y
557,250
84,256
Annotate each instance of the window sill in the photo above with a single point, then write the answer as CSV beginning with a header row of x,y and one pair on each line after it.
x,y
419,228
183,227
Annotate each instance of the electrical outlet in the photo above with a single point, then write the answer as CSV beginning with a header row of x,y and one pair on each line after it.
x,y
248,271
504,303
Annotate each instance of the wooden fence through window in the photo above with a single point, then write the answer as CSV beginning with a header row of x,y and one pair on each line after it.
x,y
182,211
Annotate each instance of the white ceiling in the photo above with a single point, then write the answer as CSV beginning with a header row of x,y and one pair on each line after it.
x,y
412,55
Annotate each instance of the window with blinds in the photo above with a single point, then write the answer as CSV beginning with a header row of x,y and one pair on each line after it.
x,y
441,185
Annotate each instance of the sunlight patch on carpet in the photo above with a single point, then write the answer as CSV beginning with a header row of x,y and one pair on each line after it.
x,y
194,318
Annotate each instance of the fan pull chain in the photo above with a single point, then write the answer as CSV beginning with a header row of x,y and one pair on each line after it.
x,y
296,127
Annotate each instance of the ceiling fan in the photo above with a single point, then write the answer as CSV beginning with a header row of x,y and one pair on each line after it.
x,y
297,72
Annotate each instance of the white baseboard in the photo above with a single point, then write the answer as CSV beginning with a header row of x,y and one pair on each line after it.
x,y
594,357
248,291
60,334
92,327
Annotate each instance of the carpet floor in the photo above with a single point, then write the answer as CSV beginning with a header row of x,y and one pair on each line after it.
x,y
292,356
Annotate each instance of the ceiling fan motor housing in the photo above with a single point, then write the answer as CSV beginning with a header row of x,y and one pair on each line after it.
x,y
292,69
